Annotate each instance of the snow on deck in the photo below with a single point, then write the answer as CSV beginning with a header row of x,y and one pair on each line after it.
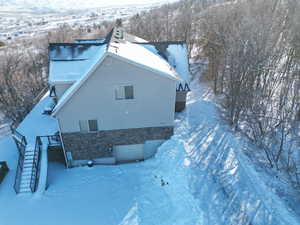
x,y
199,177
38,124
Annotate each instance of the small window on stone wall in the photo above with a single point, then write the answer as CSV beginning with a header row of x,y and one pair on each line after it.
x,y
88,125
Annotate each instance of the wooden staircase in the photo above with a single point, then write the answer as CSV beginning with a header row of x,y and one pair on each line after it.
x,y
27,175
29,163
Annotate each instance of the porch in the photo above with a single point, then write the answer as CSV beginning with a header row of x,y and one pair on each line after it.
x,y
35,137
32,166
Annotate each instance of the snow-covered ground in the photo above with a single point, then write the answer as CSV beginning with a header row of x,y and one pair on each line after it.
x,y
199,177
76,4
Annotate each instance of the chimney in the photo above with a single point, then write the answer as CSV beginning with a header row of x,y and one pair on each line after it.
x,y
119,23
118,35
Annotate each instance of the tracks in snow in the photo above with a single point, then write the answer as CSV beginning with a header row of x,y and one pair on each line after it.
x,y
226,184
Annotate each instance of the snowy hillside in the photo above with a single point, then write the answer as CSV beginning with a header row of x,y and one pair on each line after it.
x,y
73,4
199,177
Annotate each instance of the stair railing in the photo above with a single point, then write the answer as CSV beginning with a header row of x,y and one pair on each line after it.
x,y
21,144
36,164
51,140
20,141
18,176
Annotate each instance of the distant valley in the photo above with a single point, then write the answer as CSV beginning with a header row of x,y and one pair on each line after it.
x,y
21,20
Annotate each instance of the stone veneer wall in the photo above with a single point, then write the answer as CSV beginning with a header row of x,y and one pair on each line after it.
x,y
56,154
180,100
96,144
180,106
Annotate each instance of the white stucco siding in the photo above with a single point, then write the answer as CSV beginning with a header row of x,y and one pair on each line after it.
x,y
61,88
152,106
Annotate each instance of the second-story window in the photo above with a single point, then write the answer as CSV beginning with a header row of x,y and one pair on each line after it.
x,y
124,92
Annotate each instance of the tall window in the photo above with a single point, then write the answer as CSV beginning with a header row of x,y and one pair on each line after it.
x,y
124,92
88,125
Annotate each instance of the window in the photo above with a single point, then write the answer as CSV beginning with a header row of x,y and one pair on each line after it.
x,y
88,125
124,92
93,125
120,93
128,92
83,126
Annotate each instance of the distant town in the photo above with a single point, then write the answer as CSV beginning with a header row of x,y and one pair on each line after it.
x,y
16,24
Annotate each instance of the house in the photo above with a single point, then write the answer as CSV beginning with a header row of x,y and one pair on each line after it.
x,y
110,101
116,98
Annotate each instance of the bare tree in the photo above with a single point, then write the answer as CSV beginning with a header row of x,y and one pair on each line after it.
x,y
20,81
253,53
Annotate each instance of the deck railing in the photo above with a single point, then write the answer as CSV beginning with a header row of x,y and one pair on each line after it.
x,y
20,140
40,95
21,144
18,176
36,164
51,140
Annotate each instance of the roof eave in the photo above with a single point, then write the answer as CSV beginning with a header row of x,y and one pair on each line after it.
x,y
55,82
167,75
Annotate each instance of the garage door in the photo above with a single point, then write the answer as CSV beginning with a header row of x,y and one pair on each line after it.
x,y
126,153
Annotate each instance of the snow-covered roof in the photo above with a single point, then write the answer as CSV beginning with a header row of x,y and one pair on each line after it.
x,y
73,63
175,53
132,38
69,62
132,53
70,91
139,55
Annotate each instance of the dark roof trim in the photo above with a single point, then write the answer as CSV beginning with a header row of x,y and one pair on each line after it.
x,y
55,60
161,42
75,44
90,39
107,39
